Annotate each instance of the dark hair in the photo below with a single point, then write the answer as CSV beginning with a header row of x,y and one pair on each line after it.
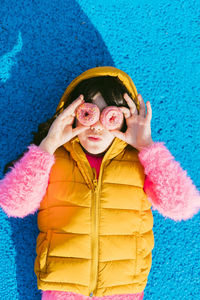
x,y
112,90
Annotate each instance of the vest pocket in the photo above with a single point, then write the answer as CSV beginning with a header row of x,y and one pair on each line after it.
x,y
44,251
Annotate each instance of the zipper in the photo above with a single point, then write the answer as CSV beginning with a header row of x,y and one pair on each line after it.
x,y
95,213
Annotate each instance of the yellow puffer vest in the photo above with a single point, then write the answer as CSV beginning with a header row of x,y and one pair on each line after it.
x,y
96,236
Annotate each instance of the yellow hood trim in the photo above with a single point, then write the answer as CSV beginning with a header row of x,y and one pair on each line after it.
x,y
101,71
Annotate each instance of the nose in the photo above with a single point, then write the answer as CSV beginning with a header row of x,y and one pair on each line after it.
x,y
97,127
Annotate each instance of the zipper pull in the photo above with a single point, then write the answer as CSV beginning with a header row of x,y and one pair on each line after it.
x,y
95,183
95,178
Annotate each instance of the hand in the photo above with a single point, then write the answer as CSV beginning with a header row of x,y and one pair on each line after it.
x,y
138,133
61,130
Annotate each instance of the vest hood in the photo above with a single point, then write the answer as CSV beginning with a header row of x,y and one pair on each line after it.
x,y
117,145
101,71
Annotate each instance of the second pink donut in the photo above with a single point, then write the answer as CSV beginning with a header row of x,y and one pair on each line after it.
x,y
111,117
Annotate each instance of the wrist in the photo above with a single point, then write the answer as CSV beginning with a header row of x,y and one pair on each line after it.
x,y
46,146
140,148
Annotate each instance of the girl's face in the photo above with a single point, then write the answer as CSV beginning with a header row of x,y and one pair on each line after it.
x,y
97,147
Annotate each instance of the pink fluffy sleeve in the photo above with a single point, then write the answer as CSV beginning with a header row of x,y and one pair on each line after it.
x,y
22,188
167,185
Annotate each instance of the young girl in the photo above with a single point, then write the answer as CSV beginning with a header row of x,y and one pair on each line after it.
x,y
94,196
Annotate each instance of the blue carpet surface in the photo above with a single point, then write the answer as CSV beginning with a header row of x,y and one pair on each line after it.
x,y
44,46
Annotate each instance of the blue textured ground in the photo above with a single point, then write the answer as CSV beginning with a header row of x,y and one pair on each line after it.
x,y
44,45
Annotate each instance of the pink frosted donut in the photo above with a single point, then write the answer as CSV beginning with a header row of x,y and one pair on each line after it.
x,y
88,114
111,117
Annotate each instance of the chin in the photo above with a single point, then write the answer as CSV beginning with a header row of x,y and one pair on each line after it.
x,y
94,152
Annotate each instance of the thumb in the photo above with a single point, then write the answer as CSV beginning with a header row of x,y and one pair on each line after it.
x,y
79,129
120,135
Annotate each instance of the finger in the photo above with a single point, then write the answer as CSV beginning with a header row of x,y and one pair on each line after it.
x,y
131,104
116,133
149,111
126,112
70,110
142,111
